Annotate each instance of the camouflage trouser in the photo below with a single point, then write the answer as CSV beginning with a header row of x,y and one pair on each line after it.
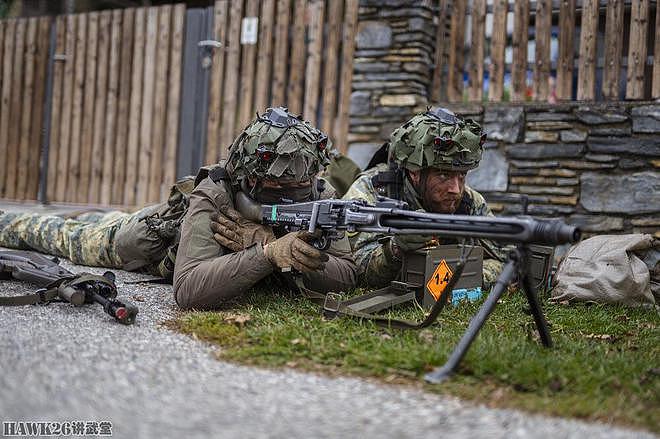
x,y
88,239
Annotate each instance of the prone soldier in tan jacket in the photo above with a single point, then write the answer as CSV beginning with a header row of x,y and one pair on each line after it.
x,y
277,157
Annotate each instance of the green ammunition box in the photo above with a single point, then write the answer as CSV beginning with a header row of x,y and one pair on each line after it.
x,y
419,268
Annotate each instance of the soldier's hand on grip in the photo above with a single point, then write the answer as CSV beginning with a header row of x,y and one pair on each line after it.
x,y
236,233
291,251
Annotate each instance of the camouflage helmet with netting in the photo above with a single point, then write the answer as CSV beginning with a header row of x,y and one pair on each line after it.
x,y
439,139
278,145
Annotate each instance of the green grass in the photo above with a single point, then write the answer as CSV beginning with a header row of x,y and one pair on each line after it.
x,y
604,365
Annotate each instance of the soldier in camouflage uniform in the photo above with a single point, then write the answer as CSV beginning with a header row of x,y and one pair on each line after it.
x,y
198,237
144,240
432,154
85,239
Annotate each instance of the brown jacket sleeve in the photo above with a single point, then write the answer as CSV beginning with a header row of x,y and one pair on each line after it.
x,y
207,274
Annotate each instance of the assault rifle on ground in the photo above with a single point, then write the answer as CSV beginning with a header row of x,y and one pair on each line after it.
x,y
330,219
60,284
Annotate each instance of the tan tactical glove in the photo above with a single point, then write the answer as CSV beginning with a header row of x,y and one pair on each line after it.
x,y
233,231
291,251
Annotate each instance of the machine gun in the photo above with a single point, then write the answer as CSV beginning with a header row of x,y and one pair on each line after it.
x,y
60,284
330,219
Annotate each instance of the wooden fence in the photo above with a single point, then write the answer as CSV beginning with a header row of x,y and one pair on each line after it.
x,y
24,55
115,101
115,105
301,60
625,43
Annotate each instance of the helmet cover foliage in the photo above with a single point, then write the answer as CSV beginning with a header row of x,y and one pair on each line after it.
x,y
438,139
278,146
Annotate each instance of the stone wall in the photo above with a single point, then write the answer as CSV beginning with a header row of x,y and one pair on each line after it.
x,y
597,165
392,70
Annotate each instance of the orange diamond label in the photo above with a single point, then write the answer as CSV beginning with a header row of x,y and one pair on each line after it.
x,y
441,277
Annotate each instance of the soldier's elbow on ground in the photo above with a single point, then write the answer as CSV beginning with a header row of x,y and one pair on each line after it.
x,y
192,296
183,298
188,298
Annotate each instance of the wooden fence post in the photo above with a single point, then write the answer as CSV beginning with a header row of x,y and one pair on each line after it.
x,y
297,60
148,94
456,47
163,63
542,57
476,73
101,116
246,83
220,13
348,49
87,118
173,98
15,109
331,59
639,23
497,48
566,50
587,66
231,82
281,51
655,93
133,143
265,55
437,93
519,43
314,59
124,107
55,149
23,163
110,156
67,107
613,47
7,43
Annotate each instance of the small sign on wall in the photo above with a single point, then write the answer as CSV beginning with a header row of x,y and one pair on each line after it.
x,y
249,30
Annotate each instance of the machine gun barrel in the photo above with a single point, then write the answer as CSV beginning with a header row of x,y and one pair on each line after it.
x,y
505,229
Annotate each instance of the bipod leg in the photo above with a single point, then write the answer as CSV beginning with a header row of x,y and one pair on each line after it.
x,y
534,305
506,277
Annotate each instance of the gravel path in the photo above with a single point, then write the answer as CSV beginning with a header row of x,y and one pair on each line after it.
x,y
61,363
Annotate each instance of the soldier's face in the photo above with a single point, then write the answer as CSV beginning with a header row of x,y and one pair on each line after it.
x,y
441,190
